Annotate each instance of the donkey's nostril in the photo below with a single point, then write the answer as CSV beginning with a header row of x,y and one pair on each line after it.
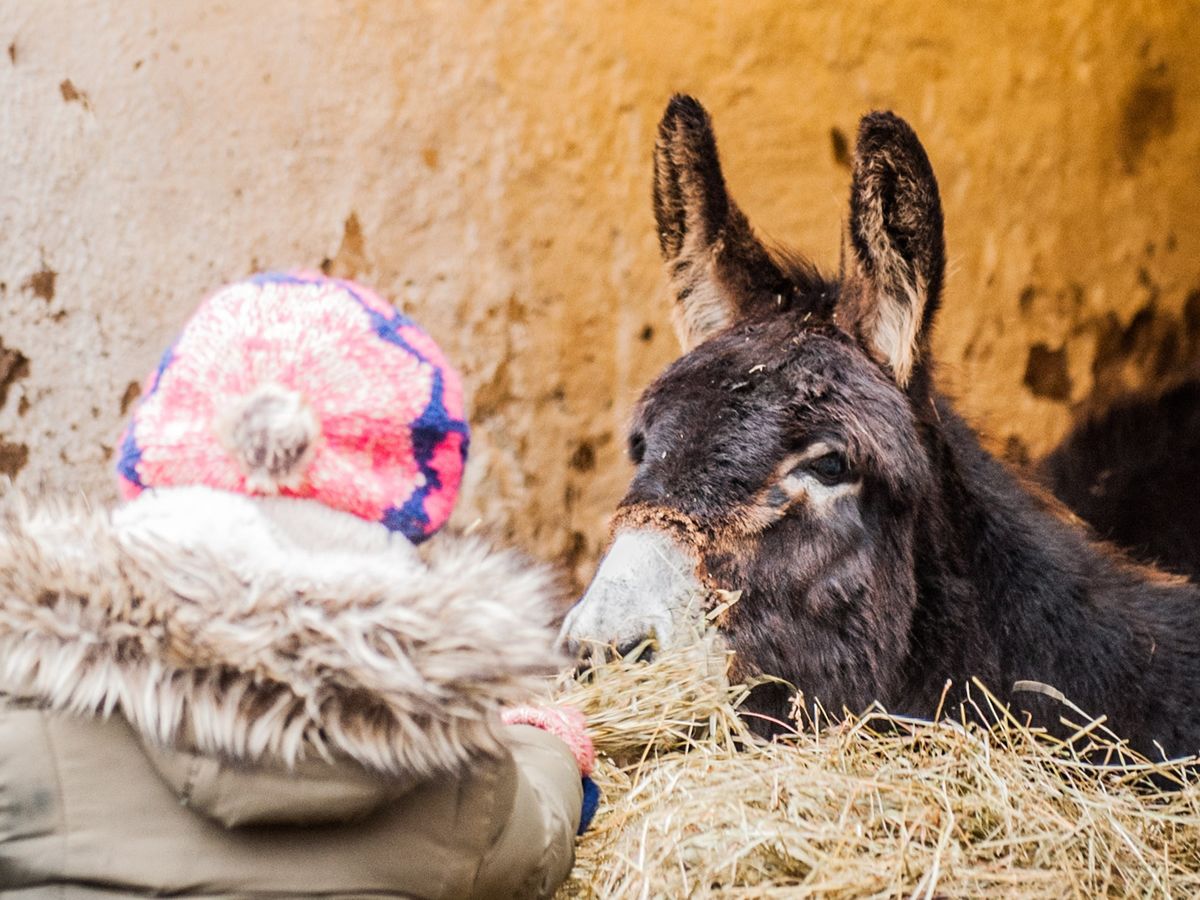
x,y
640,649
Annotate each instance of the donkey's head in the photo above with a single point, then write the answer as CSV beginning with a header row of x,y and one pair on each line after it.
x,y
781,456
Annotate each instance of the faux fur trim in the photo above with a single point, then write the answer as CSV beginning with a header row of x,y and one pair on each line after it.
x,y
269,630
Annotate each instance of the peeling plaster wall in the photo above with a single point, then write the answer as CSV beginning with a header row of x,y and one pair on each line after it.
x,y
487,166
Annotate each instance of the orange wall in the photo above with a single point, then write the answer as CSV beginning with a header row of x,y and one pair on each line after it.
x,y
488,166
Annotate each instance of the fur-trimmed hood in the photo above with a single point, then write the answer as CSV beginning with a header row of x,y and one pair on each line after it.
x,y
269,630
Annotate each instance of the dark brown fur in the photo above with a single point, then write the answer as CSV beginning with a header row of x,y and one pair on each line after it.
x,y
1131,472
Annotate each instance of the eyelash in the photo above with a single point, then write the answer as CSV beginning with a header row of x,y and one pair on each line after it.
x,y
829,468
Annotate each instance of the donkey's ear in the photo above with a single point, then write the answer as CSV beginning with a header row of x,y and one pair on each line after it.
x,y
896,258
718,268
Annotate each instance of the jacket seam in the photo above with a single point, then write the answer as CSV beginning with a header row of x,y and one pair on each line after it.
x,y
189,782
485,851
63,823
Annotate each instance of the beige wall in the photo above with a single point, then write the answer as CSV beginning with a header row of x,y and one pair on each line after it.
x,y
487,165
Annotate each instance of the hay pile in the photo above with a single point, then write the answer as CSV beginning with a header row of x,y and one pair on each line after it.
x,y
694,807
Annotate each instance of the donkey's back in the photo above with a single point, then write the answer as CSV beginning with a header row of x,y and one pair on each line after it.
x,y
1131,471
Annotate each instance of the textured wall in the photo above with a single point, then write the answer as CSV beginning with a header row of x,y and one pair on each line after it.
x,y
487,165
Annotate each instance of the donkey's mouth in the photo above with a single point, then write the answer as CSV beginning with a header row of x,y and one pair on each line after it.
x,y
589,655
645,594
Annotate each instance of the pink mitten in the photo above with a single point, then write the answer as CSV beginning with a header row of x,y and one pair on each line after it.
x,y
565,723
568,725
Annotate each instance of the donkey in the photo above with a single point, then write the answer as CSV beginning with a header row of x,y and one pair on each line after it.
x,y
799,452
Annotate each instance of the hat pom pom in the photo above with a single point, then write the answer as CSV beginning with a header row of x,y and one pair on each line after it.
x,y
272,434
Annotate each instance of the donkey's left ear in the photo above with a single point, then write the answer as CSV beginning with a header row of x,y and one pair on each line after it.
x,y
896,258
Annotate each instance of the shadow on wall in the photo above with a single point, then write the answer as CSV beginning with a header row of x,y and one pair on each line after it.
x,y
1155,349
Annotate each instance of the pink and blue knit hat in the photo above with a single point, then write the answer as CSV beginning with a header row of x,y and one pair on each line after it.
x,y
300,385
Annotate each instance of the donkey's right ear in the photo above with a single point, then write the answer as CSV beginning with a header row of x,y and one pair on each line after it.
x,y
718,268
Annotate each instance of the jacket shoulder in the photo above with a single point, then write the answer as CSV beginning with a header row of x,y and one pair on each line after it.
x,y
503,827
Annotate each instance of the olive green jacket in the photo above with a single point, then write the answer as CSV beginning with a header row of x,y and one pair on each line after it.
x,y
207,696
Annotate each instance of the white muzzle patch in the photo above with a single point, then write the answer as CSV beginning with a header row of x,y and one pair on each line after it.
x,y
646,587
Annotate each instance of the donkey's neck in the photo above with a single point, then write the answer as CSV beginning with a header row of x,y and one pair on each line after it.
x,y
1011,589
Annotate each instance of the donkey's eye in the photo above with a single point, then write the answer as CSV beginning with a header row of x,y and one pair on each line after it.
x,y
637,447
830,468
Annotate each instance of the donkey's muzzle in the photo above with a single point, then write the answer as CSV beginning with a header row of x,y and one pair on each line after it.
x,y
644,595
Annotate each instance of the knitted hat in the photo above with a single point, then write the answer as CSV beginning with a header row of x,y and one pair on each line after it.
x,y
304,386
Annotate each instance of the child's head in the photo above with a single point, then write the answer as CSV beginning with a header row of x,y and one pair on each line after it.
x,y
300,385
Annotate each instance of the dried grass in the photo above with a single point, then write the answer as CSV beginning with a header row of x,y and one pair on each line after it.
x,y
693,806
